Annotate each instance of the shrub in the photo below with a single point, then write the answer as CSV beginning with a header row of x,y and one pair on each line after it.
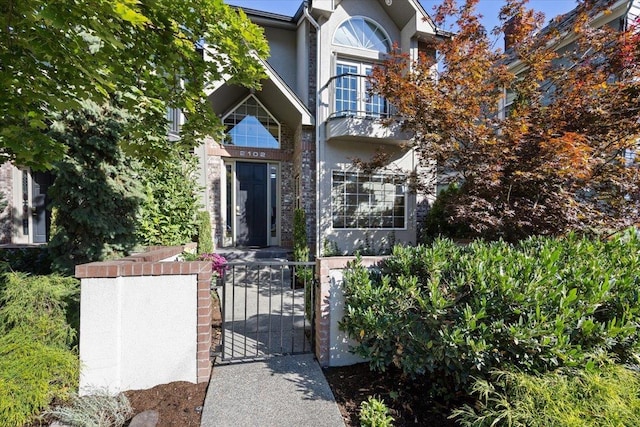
x,y
33,260
168,213
602,396
205,243
450,312
100,409
374,413
36,364
41,305
31,375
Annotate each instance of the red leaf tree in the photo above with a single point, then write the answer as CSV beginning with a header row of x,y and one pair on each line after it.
x,y
560,156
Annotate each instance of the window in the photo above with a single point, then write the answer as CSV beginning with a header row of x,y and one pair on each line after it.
x,y
360,200
251,125
174,117
362,33
352,96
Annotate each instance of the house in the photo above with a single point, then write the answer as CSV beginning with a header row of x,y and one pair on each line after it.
x,y
293,143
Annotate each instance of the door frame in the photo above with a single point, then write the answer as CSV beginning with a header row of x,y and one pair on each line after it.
x,y
22,205
228,201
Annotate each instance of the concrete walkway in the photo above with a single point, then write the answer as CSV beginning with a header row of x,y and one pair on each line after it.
x,y
283,391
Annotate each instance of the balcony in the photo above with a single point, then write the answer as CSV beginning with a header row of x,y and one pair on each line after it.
x,y
358,115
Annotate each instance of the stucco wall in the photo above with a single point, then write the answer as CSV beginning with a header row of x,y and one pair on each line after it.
x,y
138,332
332,345
144,322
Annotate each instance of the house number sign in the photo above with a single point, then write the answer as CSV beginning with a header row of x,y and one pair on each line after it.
x,y
254,154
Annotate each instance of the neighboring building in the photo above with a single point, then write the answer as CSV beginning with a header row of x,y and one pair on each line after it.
x,y
616,14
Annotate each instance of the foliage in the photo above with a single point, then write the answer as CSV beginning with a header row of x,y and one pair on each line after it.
x,y
374,413
218,263
205,243
599,397
36,364
168,213
152,52
552,161
95,195
330,248
440,220
450,312
40,304
32,373
99,409
33,260
300,246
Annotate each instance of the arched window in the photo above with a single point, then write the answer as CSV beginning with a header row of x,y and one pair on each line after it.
x,y
362,33
251,125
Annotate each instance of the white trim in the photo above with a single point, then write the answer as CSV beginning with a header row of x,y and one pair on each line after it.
x,y
232,110
365,18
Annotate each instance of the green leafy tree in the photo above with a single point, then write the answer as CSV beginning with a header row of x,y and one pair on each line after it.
x,y
168,214
54,55
95,195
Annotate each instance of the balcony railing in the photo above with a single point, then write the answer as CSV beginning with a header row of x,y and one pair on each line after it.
x,y
351,96
357,114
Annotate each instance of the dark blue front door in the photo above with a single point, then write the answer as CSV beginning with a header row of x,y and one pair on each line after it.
x,y
251,204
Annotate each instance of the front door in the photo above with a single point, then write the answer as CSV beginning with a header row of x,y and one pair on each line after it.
x,y
251,204
39,200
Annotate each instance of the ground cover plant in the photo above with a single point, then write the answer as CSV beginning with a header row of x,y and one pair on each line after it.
x,y
448,313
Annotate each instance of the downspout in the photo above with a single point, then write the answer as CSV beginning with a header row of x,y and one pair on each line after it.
x,y
315,24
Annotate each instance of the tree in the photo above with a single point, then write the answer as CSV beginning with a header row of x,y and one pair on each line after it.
x,y
555,159
95,195
55,55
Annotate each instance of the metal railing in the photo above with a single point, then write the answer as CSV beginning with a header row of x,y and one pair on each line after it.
x,y
267,309
351,96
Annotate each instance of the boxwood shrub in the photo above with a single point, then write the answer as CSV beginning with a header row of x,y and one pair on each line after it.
x,y
452,312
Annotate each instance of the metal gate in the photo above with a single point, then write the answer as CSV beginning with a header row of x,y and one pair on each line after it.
x,y
267,310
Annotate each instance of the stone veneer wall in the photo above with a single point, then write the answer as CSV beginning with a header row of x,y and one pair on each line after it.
x,y
305,169
6,191
136,275
284,156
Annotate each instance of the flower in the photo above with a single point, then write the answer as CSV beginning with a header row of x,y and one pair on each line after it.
x,y
218,263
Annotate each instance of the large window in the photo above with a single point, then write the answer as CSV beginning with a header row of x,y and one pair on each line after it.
x,y
360,200
352,97
362,33
251,125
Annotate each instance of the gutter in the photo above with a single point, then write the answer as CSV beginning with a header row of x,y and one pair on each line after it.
x,y
315,24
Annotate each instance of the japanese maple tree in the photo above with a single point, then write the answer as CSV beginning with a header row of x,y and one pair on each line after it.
x,y
560,156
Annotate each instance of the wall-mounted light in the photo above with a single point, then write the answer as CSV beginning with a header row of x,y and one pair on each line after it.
x,y
388,2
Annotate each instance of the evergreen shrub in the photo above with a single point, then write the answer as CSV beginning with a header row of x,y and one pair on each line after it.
x,y
451,312
36,363
205,243
599,396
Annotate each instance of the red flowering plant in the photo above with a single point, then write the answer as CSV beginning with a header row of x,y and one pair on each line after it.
x,y
218,263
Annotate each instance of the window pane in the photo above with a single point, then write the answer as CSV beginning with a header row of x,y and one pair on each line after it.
x,y
367,201
250,125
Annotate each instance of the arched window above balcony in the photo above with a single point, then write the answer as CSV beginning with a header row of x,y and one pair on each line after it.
x,y
362,33
251,125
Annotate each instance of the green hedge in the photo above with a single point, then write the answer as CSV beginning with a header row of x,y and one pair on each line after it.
x,y
450,312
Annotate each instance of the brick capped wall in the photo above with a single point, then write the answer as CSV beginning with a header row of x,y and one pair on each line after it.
x,y
150,264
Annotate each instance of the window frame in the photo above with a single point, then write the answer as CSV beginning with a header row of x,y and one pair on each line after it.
x,y
370,106
271,117
386,41
370,216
